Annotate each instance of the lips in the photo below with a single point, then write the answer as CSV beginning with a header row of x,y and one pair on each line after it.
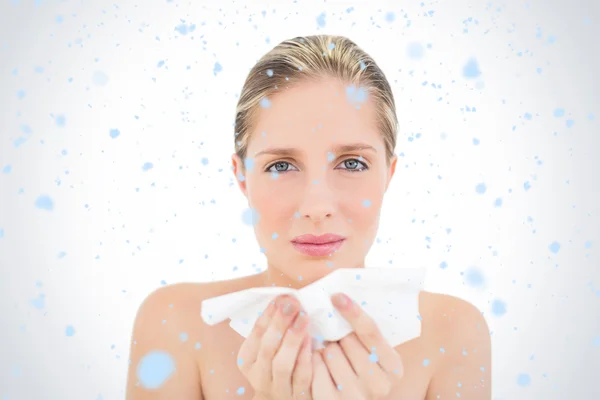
x,y
318,246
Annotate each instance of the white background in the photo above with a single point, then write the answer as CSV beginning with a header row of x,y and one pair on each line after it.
x,y
70,71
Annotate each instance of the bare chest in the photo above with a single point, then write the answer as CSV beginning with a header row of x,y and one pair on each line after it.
x,y
221,378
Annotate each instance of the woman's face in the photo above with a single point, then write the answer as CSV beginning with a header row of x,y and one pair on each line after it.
x,y
304,176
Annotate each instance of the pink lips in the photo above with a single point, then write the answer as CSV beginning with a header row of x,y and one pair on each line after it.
x,y
318,246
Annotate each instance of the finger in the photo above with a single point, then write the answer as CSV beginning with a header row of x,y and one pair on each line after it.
x,y
285,358
248,352
368,333
303,371
369,372
357,355
339,367
271,340
322,383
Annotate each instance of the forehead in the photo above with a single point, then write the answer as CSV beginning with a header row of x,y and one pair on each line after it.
x,y
316,115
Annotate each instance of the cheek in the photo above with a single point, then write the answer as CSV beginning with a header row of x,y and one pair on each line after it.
x,y
362,203
362,213
274,206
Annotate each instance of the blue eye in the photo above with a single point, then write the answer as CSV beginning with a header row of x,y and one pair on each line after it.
x,y
352,164
280,166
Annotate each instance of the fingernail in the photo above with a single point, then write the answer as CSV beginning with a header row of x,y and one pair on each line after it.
x,y
288,309
341,300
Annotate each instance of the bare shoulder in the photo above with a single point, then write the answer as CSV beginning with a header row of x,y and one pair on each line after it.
x,y
166,336
455,318
458,334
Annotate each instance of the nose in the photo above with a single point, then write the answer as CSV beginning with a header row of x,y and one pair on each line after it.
x,y
317,204
315,214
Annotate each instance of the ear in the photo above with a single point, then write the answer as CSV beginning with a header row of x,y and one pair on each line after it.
x,y
239,173
391,171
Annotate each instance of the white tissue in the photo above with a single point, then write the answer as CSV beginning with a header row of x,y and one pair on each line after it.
x,y
389,296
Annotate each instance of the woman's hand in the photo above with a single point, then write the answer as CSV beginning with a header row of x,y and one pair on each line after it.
x,y
276,356
360,366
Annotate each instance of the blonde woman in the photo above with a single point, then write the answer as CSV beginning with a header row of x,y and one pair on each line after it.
x,y
315,133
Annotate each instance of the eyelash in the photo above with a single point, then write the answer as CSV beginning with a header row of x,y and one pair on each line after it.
x,y
364,164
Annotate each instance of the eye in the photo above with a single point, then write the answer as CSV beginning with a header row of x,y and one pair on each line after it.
x,y
279,167
354,165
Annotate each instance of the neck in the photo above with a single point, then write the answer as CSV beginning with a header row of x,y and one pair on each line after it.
x,y
273,276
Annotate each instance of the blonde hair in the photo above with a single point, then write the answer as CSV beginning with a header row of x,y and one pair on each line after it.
x,y
311,58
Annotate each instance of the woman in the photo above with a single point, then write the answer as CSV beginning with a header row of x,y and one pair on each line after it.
x,y
315,133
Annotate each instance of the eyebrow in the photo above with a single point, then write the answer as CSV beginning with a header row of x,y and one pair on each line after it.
x,y
290,151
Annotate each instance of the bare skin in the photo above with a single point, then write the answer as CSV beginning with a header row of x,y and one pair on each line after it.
x,y
211,372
